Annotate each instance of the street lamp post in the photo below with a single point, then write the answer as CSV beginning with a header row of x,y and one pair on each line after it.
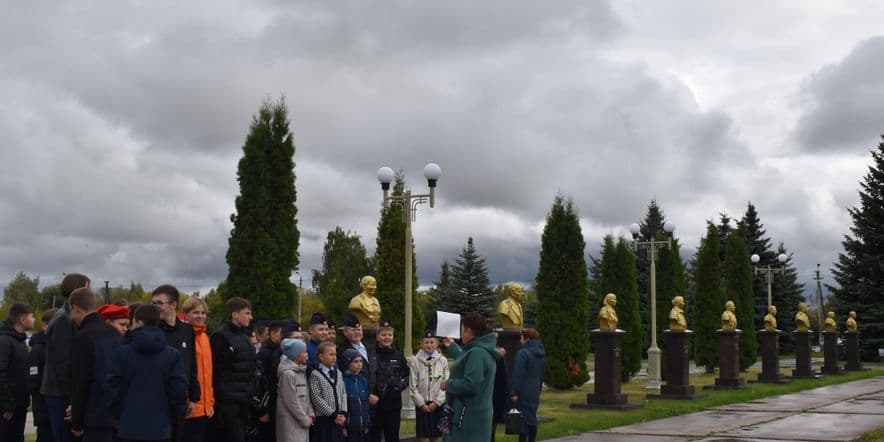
x,y
300,294
653,246
769,271
409,203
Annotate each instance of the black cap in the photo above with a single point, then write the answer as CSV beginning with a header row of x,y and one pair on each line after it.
x,y
290,327
428,334
330,323
384,323
351,321
317,318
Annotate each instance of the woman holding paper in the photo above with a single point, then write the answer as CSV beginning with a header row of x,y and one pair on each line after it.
x,y
470,384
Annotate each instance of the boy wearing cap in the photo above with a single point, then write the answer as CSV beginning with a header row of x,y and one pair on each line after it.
x,y
391,378
294,412
428,370
358,408
328,395
115,316
331,333
318,330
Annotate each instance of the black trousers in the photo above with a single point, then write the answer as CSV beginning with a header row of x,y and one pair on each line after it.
x,y
13,430
386,423
234,419
98,434
194,430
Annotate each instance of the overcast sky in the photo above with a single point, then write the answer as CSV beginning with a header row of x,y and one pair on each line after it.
x,y
121,123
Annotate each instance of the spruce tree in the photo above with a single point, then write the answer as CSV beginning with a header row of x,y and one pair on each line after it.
x,y
389,262
470,286
344,263
787,294
708,300
757,243
651,229
619,277
442,292
670,283
859,271
738,288
561,284
263,245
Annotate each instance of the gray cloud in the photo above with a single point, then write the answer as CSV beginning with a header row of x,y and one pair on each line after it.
x,y
846,102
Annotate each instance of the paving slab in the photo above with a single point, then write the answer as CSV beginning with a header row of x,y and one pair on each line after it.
x,y
697,424
611,437
855,406
744,439
824,427
793,403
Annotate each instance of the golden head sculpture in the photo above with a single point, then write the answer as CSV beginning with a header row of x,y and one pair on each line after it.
x,y
770,319
851,322
607,315
510,309
365,305
830,324
677,321
728,318
802,322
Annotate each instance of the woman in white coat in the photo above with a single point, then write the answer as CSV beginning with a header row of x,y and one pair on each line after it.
x,y
294,413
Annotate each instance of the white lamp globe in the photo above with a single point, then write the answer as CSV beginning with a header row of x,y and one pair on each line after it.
x,y
432,171
755,259
669,227
386,175
634,229
782,258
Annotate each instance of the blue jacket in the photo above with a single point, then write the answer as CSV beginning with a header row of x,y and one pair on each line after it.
x,y
91,352
528,372
358,410
147,385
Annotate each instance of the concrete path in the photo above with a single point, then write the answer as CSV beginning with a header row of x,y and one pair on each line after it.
x,y
834,413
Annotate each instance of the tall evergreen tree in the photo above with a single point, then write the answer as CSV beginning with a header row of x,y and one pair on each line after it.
x,y
263,245
442,292
757,243
738,288
389,261
651,229
470,287
787,294
618,276
859,271
709,300
344,263
724,233
670,283
562,311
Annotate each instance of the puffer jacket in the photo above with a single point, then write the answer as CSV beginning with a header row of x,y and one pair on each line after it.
x,y
13,368
57,370
470,387
234,363
528,372
391,377
426,379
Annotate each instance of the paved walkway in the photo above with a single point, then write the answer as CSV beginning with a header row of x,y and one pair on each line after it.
x,y
834,413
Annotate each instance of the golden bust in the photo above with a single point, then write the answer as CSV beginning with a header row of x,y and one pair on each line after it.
x,y
607,315
831,326
851,322
728,318
677,322
510,309
802,322
364,305
770,319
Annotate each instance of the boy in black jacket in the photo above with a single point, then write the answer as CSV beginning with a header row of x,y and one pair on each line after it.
x,y
91,354
268,357
391,377
36,361
234,365
14,398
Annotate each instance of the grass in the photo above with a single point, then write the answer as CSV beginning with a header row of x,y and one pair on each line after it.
x,y
874,436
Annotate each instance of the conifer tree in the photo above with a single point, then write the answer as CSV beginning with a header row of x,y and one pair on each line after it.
x,y
738,288
787,294
442,293
757,243
619,277
344,263
263,245
670,283
859,271
470,287
389,262
708,300
561,284
651,230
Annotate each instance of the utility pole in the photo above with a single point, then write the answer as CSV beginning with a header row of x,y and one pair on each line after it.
x,y
819,300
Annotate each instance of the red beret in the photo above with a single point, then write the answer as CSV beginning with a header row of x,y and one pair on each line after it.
x,y
110,311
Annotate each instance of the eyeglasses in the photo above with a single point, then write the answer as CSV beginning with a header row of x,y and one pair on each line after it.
x,y
160,303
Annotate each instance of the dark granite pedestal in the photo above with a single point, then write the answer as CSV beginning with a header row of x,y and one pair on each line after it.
x,y
729,360
852,342
770,357
607,345
677,360
510,340
370,339
803,368
830,354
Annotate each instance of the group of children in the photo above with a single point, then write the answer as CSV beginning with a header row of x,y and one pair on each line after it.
x,y
354,393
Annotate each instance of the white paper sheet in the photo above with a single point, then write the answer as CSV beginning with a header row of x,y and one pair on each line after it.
x,y
447,325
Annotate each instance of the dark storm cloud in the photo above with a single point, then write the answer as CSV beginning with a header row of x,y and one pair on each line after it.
x,y
846,102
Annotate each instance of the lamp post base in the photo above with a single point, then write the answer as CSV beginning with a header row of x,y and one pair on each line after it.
x,y
654,354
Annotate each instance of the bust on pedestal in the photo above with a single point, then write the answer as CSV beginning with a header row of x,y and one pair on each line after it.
x,y
512,321
729,350
607,341
770,349
678,380
830,346
851,338
803,368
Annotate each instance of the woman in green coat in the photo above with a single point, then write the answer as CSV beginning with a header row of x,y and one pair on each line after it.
x,y
471,380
